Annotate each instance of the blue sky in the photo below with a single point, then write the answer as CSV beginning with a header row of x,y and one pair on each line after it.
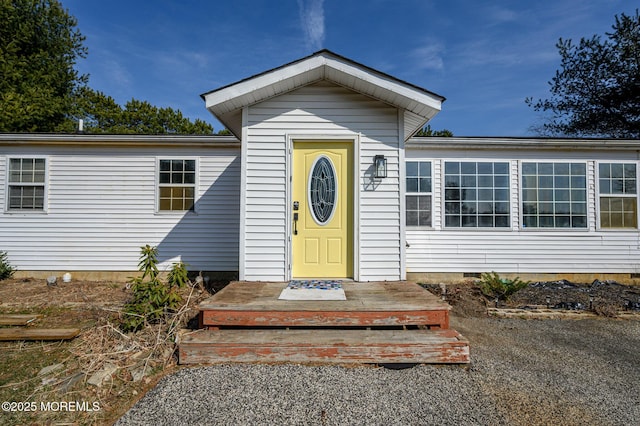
x,y
485,57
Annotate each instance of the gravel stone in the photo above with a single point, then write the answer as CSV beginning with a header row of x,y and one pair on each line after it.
x,y
561,372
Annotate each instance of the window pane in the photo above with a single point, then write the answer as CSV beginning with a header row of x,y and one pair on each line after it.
x,y
629,171
425,184
485,181
469,221
412,202
630,186
451,194
412,218
545,169
501,168
485,168
424,202
452,221
617,170
176,177
451,168
452,181
530,222
467,168
165,165
529,169
501,181
412,184
452,208
424,218
578,169
425,168
412,168
189,178
502,221
561,168
485,221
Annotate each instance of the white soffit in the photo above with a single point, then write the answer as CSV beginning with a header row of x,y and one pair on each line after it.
x,y
419,104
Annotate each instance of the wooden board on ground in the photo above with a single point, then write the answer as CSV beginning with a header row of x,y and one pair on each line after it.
x,y
18,319
7,334
324,346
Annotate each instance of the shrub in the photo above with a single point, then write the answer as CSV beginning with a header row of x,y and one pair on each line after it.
x,y
6,270
152,299
493,286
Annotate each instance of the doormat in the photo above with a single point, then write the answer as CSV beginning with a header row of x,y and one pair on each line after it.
x,y
313,290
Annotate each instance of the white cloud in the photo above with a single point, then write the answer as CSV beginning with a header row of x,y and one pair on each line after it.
x,y
312,21
429,56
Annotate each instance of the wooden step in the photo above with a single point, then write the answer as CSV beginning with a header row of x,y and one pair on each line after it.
x,y
375,304
7,334
324,346
18,319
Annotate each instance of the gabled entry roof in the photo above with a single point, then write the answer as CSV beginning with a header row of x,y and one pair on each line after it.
x,y
420,105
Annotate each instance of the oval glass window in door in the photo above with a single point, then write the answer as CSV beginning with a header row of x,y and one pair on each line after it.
x,y
322,190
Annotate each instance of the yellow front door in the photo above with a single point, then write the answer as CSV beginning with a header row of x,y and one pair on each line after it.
x,y
322,235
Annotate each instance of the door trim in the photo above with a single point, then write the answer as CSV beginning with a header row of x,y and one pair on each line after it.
x,y
353,138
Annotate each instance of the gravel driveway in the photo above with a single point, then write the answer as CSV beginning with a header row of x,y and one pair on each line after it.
x,y
561,372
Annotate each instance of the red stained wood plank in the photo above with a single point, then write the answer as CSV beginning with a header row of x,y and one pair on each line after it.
x,y
324,346
221,318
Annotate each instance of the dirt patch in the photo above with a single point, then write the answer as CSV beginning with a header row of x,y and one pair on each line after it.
x,y
605,298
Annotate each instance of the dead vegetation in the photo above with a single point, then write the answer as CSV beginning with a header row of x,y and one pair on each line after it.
x,y
103,367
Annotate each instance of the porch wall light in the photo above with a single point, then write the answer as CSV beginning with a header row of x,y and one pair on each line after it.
x,y
379,167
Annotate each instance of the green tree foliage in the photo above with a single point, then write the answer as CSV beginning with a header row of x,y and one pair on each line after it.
x,y
39,47
40,90
427,131
102,114
597,90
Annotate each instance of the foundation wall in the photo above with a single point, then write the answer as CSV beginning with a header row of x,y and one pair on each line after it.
x,y
460,277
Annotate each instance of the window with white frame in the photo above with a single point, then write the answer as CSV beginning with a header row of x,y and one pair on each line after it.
x,y
26,184
476,194
176,185
618,195
554,195
418,193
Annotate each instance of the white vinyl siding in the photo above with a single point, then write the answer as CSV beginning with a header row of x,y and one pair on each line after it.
x,y
327,111
521,249
102,208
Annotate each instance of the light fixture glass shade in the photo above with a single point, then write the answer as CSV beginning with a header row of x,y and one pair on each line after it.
x,y
379,167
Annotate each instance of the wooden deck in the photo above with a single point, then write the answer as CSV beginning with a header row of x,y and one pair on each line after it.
x,y
380,322
375,304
